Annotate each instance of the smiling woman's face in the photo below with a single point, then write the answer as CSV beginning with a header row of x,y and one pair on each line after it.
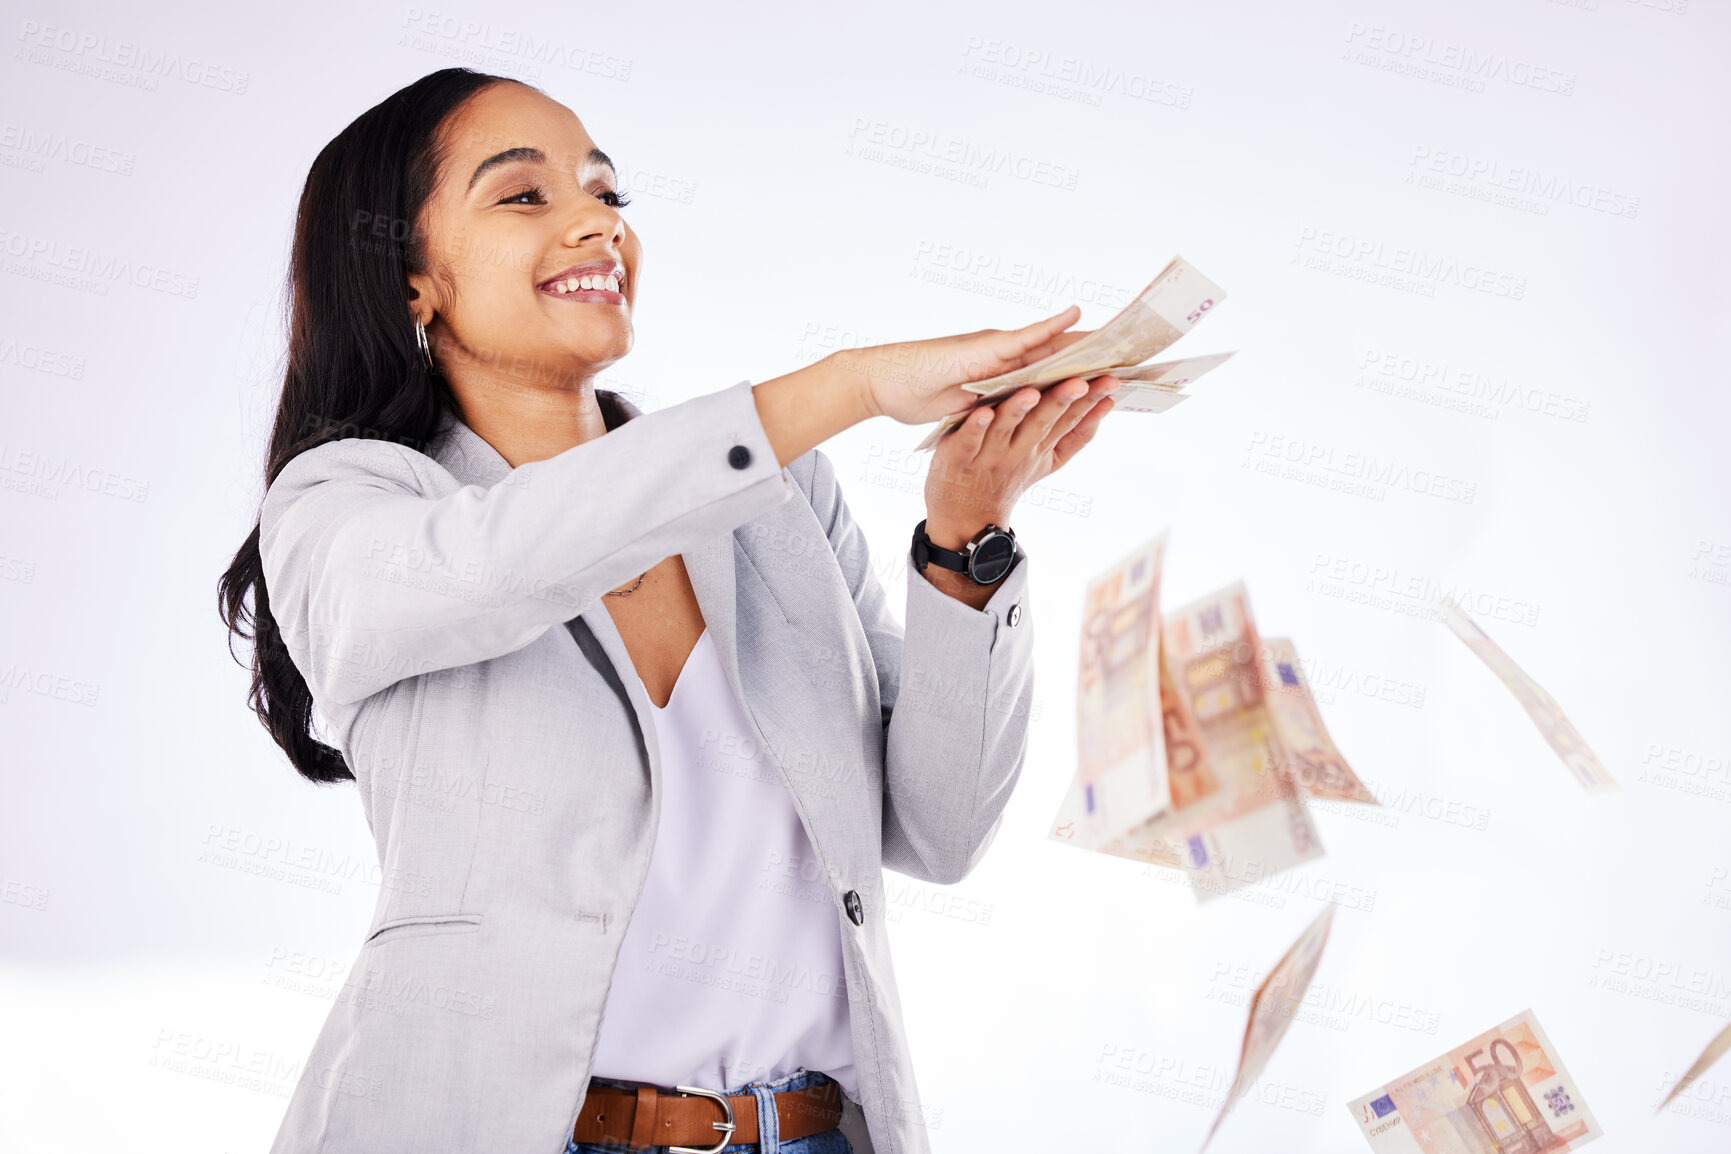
x,y
523,232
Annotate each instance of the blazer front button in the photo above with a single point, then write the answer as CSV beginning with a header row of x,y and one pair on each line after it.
x,y
854,912
1016,614
739,456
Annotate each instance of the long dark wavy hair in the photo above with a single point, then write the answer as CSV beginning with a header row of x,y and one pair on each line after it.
x,y
353,368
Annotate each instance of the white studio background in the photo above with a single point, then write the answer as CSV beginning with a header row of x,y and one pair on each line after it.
x,y
810,179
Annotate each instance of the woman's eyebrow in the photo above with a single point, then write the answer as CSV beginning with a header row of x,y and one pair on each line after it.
x,y
532,156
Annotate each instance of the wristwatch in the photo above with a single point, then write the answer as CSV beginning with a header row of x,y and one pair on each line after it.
x,y
987,558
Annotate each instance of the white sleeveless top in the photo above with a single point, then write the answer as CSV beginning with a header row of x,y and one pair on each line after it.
x,y
731,966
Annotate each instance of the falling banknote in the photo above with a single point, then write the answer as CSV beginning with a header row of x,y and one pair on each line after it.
x,y
1504,1091
1556,729
1121,759
1172,304
1317,766
1243,745
1277,999
1716,1049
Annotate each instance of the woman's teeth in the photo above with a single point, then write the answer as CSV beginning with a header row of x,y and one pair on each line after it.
x,y
610,283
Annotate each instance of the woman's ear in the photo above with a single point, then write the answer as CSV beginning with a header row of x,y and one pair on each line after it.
x,y
423,298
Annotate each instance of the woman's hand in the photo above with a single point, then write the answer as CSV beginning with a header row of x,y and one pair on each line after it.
x,y
982,466
917,382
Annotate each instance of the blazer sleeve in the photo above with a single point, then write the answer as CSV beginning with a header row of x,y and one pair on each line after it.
x,y
956,687
379,565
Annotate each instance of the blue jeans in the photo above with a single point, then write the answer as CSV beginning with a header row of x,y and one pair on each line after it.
x,y
827,1142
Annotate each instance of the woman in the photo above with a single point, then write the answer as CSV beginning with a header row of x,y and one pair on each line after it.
x,y
631,720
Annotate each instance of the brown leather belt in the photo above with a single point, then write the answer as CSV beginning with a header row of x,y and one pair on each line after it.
x,y
647,1116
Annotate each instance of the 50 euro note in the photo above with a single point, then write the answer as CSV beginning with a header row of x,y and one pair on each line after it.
x,y
1244,743
1174,302
1502,1092
1564,739
1716,1049
1121,747
1213,651
1189,775
1272,1008
1151,388
1316,764
1236,817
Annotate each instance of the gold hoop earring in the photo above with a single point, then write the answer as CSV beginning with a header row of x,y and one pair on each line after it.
x,y
421,343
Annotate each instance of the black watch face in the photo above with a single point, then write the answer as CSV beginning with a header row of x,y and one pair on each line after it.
x,y
992,558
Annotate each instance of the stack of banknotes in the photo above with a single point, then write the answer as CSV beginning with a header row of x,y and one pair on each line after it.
x,y
1198,738
1168,308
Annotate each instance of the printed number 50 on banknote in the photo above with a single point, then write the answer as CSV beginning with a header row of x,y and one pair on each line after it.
x,y
1504,1092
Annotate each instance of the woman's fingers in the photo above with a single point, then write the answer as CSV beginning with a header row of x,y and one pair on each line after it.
x,y
1034,335
968,435
1036,427
1071,443
1078,409
1014,348
1010,413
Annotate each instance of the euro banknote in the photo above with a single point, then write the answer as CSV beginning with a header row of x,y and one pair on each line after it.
x,y
1716,1049
1150,388
1174,302
1121,754
1505,1090
1316,765
1556,729
1272,1008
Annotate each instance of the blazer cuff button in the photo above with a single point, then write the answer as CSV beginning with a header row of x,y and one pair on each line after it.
x,y
739,456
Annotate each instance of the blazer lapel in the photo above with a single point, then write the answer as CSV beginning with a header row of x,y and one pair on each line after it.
x,y
711,566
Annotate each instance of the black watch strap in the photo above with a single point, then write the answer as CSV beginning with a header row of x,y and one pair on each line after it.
x,y
999,552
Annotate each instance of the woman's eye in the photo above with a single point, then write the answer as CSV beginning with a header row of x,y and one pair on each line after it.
x,y
619,199
517,197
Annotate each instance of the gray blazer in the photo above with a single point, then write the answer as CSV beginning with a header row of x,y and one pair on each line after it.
x,y
446,612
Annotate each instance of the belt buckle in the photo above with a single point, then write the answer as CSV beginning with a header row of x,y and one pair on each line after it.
x,y
726,1127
